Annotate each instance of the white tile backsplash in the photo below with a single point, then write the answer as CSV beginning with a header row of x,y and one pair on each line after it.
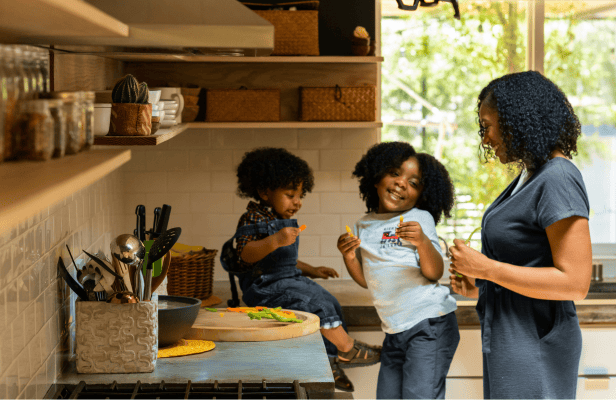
x,y
35,311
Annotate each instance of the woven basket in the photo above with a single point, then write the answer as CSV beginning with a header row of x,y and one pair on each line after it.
x,y
337,103
296,33
242,105
191,274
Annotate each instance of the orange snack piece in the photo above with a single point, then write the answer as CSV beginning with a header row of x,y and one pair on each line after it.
x,y
301,228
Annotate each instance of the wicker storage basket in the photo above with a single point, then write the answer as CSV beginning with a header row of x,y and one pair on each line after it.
x,y
242,105
296,33
337,103
191,273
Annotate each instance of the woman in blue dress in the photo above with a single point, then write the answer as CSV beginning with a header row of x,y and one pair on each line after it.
x,y
536,255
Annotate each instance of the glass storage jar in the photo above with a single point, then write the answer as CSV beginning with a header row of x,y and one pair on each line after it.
x,y
56,109
35,126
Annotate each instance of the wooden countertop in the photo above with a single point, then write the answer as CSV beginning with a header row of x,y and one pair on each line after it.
x,y
360,314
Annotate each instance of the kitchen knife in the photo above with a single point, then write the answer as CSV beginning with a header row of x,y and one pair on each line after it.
x,y
153,233
140,231
164,219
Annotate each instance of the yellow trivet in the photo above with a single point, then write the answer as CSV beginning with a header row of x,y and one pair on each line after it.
x,y
186,347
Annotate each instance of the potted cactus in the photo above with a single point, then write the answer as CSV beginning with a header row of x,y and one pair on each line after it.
x,y
131,114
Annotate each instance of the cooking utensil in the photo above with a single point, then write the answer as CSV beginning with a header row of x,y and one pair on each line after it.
x,y
160,247
138,282
71,282
157,280
127,249
123,298
140,231
108,274
164,219
154,233
122,269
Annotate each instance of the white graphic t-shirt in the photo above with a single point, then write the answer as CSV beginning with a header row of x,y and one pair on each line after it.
x,y
402,296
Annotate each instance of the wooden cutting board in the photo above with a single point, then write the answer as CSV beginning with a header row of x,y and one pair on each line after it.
x,y
238,327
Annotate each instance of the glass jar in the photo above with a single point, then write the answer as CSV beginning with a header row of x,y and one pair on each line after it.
x,y
12,99
56,109
72,115
81,106
36,131
89,125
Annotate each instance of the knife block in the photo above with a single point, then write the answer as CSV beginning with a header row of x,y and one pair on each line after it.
x,y
116,338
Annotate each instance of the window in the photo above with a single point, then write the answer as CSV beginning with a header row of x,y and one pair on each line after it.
x,y
435,67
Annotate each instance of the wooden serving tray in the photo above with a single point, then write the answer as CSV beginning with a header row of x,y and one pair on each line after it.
x,y
238,327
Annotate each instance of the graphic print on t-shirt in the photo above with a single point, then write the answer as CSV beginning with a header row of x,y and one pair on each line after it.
x,y
389,238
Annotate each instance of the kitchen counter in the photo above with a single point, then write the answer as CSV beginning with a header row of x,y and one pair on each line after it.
x,y
360,314
301,358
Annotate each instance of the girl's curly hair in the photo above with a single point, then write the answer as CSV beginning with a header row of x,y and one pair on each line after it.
x,y
379,159
272,168
535,118
438,195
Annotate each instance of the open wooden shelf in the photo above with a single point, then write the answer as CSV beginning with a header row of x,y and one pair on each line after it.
x,y
286,124
155,57
28,187
162,135
31,21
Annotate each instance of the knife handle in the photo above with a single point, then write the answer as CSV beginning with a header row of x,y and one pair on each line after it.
x,y
147,293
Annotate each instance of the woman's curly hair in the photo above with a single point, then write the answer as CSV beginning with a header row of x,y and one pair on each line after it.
x,y
438,195
272,168
380,159
535,118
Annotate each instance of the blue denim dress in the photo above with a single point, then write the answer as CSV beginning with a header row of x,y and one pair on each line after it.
x,y
277,282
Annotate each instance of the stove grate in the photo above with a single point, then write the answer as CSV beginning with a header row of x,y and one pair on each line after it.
x,y
189,390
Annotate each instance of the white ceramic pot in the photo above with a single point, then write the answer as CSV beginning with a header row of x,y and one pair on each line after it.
x,y
102,115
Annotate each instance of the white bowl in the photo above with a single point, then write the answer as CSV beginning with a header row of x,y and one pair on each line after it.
x,y
154,96
167,123
171,104
102,115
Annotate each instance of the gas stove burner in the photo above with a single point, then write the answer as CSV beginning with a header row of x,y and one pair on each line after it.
x,y
189,390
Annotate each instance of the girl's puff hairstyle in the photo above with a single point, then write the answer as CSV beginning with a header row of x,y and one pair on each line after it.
x,y
437,196
272,168
380,159
534,115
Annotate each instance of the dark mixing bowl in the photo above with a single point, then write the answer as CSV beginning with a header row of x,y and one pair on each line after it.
x,y
176,315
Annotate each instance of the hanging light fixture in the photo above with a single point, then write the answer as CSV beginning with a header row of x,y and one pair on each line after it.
x,y
424,3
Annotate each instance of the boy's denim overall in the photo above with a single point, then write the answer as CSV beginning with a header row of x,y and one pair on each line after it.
x,y
277,282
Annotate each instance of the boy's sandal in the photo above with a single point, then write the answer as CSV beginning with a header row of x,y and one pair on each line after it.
x,y
361,355
341,380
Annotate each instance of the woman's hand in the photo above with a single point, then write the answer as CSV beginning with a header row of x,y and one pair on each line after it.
x,y
464,286
286,236
412,232
324,273
347,244
466,261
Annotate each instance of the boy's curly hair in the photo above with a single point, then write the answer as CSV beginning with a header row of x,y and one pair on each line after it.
x,y
534,115
272,168
379,159
438,194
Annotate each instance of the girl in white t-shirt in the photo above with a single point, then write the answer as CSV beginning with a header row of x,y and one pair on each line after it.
x,y
395,253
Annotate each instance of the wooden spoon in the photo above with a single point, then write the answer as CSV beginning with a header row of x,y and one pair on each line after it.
x,y
157,280
122,269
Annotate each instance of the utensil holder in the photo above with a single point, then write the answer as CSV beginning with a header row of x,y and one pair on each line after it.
x,y
116,338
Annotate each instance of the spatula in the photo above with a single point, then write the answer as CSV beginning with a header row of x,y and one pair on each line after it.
x,y
160,247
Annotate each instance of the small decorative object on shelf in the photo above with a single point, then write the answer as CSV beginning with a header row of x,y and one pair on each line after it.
x,y
131,114
361,42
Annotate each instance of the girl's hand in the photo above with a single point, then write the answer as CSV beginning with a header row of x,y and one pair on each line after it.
x,y
286,236
324,273
347,244
464,286
412,232
467,261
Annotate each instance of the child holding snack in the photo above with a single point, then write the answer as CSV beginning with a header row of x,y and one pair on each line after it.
x,y
395,253
267,241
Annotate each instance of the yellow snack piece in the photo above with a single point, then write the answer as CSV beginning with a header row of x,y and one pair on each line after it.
x,y
222,314
349,230
185,347
401,219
